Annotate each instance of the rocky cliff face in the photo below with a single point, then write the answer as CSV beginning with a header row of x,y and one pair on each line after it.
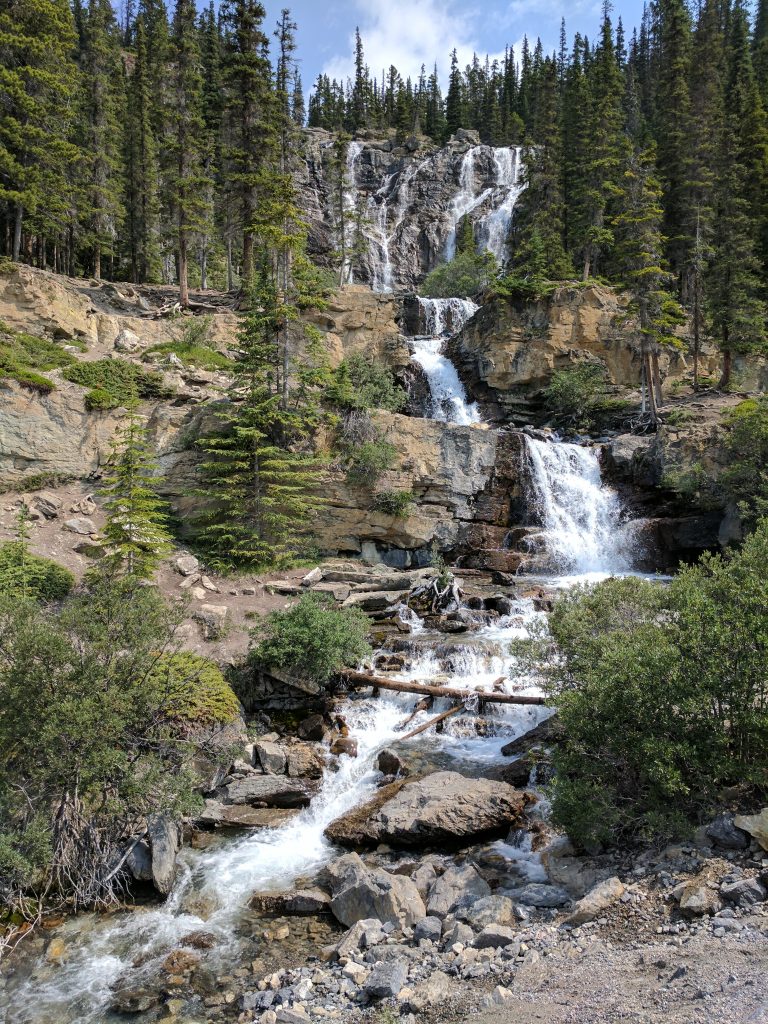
x,y
412,198
508,351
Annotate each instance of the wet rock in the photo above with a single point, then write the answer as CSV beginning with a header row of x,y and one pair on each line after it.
x,y
164,845
493,936
180,961
596,902
444,808
386,980
222,815
312,728
134,1000
56,951
724,833
272,757
344,745
454,887
547,731
298,903
756,825
746,892
269,791
389,763
428,928
200,940
538,895
305,761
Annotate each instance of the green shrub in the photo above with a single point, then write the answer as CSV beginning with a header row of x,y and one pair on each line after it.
x,y
196,691
745,481
663,696
312,639
40,482
393,503
116,377
575,392
22,356
37,577
468,273
362,383
195,348
369,461
99,400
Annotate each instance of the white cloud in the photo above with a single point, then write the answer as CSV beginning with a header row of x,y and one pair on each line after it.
x,y
409,33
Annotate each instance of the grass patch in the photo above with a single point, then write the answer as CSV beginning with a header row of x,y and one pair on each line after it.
x,y
195,348
24,358
118,381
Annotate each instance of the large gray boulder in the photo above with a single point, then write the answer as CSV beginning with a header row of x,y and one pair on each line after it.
x,y
456,886
386,979
359,893
445,808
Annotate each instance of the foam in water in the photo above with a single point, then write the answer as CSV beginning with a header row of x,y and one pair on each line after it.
x,y
444,317
494,227
581,517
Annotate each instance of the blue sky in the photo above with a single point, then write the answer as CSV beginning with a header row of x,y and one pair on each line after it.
x,y
407,33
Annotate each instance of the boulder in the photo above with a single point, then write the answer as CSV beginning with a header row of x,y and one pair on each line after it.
x,y
269,791
454,887
164,845
535,894
362,935
312,728
344,745
724,833
697,899
390,898
186,565
746,892
386,980
493,936
433,992
48,504
305,761
139,862
272,757
457,932
82,525
428,928
443,809
596,902
390,763
127,341
487,910
295,903
212,617
756,825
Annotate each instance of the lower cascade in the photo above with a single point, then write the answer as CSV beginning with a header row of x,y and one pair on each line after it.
x,y
442,319
581,518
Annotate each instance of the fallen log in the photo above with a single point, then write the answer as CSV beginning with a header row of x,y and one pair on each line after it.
x,y
432,690
421,705
433,721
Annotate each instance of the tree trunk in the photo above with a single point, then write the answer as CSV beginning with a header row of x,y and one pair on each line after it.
x,y
651,390
230,272
17,219
247,258
725,379
183,283
656,378
433,690
97,263
204,269
428,725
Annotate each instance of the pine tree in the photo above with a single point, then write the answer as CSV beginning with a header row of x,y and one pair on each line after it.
x,y
38,85
259,491
359,112
135,534
142,172
454,105
188,144
247,83
640,257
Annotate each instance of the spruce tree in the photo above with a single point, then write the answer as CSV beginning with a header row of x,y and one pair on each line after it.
x,y
38,83
135,535
454,105
188,143
640,259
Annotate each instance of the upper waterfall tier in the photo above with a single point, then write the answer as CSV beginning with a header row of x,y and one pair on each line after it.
x,y
408,205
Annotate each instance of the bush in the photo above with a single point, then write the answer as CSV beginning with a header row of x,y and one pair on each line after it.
x,y
393,503
99,400
362,383
39,578
195,347
197,692
745,481
313,639
23,355
576,392
663,696
122,380
368,462
467,274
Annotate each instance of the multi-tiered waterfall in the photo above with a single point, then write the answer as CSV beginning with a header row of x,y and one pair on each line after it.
x,y
443,318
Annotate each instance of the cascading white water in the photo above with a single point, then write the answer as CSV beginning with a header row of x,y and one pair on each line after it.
x,y
444,318
581,517
494,227
349,201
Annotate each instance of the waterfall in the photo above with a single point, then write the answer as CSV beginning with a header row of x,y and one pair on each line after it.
x,y
581,518
465,201
349,202
444,318
494,226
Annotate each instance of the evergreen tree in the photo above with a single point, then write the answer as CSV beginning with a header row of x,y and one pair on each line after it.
x,y
135,535
248,134
259,490
188,144
142,173
640,257
38,84
454,105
